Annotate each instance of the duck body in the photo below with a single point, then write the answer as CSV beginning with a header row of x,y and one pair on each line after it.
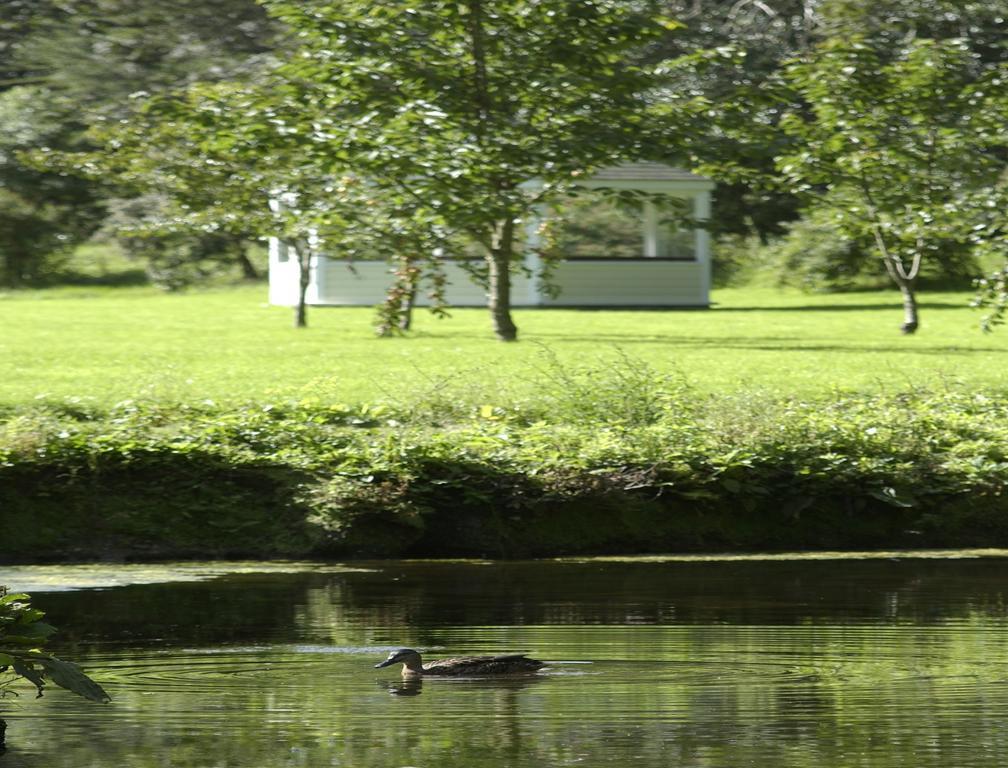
x,y
461,666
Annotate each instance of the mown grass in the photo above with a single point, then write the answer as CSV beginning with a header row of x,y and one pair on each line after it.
x,y
105,345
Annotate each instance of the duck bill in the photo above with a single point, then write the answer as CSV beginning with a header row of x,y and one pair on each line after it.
x,y
386,663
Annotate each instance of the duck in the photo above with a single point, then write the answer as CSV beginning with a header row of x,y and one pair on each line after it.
x,y
461,666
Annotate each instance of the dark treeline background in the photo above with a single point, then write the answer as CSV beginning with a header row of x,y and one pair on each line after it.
x,y
68,64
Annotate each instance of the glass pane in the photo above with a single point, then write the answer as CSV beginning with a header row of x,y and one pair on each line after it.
x,y
676,238
594,227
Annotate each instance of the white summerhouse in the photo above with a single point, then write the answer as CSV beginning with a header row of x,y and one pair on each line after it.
x,y
653,263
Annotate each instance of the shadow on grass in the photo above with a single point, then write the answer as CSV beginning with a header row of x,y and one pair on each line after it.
x,y
765,343
924,306
121,279
885,306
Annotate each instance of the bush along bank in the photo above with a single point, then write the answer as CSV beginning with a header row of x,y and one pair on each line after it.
x,y
620,471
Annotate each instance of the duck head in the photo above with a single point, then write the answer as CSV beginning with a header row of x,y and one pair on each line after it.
x,y
406,656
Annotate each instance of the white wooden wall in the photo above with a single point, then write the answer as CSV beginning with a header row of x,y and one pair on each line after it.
x,y
625,283
588,283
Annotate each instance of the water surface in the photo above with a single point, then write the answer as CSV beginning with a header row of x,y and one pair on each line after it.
x,y
654,662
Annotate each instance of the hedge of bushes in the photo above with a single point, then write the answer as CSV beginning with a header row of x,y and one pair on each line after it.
x,y
622,460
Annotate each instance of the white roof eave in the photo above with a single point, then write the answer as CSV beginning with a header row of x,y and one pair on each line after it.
x,y
643,177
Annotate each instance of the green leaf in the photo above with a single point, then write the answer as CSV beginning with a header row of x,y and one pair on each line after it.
x,y
30,634
20,640
29,673
30,615
730,485
39,630
68,675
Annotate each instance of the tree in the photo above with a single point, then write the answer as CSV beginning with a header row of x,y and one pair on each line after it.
x,y
456,106
893,23
221,162
95,53
905,148
748,45
174,258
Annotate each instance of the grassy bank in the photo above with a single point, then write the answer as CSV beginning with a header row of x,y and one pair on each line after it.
x,y
143,425
617,460
109,345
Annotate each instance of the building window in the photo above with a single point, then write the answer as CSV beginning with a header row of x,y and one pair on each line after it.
x,y
591,226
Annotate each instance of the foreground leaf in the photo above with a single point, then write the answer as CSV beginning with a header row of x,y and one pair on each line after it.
x,y
68,675
29,673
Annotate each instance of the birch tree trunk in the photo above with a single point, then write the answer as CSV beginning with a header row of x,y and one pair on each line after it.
x,y
903,278
910,320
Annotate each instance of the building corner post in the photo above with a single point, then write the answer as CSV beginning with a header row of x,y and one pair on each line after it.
x,y
701,213
531,259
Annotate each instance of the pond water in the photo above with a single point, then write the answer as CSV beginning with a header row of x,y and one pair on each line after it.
x,y
689,662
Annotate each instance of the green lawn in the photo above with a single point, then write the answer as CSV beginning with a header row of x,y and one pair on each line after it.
x,y
107,345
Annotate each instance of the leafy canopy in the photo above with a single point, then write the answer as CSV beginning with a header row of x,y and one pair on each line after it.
x,y
460,103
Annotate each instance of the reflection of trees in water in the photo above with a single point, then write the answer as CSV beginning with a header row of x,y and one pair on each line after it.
x,y
234,609
405,603
418,595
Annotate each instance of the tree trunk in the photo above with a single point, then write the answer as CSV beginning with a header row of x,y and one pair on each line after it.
x,y
304,253
13,273
499,283
406,309
906,289
248,269
910,320
904,280
499,257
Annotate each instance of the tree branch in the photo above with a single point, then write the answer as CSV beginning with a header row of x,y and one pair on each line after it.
x,y
480,84
893,263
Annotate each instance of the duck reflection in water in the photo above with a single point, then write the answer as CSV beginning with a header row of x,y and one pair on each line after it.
x,y
408,686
